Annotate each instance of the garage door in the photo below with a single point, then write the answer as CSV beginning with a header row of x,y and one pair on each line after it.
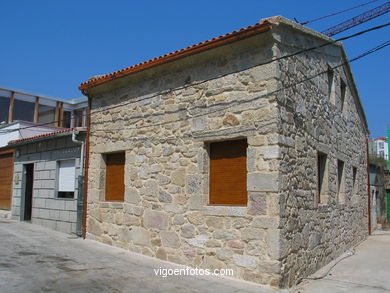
x,y
6,174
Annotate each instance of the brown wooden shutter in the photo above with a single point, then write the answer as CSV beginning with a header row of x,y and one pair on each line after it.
x,y
115,176
228,173
6,175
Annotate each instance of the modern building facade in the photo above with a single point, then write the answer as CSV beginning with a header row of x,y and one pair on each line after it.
x,y
24,115
18,105
48,179
214,156
381,147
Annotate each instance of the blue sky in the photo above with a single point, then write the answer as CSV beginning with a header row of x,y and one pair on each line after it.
x,y
50,47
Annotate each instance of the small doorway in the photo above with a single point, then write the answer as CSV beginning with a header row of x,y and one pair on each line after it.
x,y
27,192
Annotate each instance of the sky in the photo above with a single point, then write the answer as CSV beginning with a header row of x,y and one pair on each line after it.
x,y
50,47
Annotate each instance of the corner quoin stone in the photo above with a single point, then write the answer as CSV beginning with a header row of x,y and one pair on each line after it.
x,y
263,182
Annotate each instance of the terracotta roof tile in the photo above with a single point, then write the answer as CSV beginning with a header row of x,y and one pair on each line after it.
x,y
196,48
44,135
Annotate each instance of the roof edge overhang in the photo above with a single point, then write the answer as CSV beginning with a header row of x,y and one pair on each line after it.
x,y
234,36
46,136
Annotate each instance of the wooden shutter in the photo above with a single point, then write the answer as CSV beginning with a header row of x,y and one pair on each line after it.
x,y
115,176
228,173
6,175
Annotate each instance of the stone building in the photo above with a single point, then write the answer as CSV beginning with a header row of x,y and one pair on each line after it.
x,y
214,156
48,178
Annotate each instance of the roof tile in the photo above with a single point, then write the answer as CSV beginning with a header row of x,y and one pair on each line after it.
x,y
196,48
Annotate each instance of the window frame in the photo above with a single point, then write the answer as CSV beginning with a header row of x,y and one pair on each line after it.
x,y
212,200
106,158
322,183
331,85
341,195
61,194
343,95
354,179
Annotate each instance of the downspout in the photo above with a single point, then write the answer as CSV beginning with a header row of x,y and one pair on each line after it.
x,y
84,223
80,142
368,187
80,184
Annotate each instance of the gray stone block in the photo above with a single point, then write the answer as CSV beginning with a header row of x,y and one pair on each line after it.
x,y
170,239
156,220
263,182
140,236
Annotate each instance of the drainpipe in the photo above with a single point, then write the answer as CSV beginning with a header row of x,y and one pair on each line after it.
x,y
80,142
80,184
368,187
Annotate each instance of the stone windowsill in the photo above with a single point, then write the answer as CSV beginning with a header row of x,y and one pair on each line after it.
x,y
111,204
234,211
64,198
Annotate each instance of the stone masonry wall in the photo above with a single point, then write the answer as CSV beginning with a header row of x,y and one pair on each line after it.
x,y
163,119
314,233
47,209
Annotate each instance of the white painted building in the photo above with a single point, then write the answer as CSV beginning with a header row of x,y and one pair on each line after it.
x,y
22,129
382,147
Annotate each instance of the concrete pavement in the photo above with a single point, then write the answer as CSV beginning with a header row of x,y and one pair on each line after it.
x,y
36,259
367,270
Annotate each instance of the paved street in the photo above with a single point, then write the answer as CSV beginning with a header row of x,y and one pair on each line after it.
x,y
367,270
36,259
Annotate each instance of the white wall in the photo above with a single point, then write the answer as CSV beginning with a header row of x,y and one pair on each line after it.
x,y
6,137
385,148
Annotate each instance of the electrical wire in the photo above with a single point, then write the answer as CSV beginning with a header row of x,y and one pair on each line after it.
x,y
233,103
339,12
248,67
220,76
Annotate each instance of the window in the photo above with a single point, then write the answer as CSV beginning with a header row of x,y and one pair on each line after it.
x,y
4,108
381,145
24,110
67,119
343,90
340,181
115,176
66,178
381,154
228,172
354,175
46,115
331,85
322,177
78,118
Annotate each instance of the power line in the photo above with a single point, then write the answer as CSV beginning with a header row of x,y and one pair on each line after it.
x,y
233,103
249,67
338,12
220,76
